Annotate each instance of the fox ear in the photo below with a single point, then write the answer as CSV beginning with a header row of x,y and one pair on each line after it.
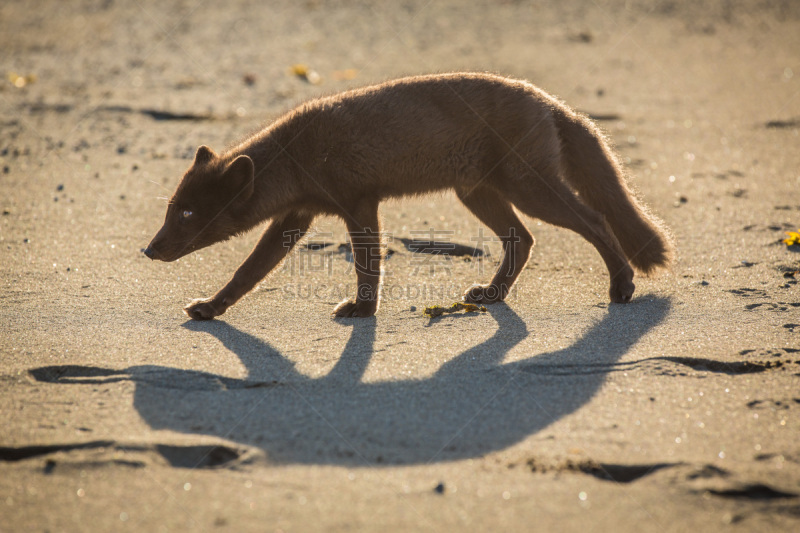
x,y
240,177
204,155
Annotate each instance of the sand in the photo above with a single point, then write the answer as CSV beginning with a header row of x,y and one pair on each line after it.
x,y
553,411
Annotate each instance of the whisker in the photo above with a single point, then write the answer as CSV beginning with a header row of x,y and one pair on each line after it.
x,y
159,184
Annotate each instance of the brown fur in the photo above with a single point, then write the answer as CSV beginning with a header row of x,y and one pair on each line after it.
x,y
499,143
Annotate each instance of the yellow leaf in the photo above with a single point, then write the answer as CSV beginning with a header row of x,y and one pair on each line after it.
x,y
437,310
304,72
299,69
794,238
20,81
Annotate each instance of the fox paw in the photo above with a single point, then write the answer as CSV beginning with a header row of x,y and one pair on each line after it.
x,y
484,294
201,310
350,308
621,293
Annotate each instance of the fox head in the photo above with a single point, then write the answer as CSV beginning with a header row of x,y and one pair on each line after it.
x,y
204,208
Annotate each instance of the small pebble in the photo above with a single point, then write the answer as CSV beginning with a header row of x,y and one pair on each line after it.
x,y
60,187
413,308
439,489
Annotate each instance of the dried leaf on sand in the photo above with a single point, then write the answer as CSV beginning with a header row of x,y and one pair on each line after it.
x,y
437,310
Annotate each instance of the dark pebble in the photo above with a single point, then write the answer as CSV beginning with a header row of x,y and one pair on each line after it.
x,y
413,308
439,489
6,170
60,187
26,240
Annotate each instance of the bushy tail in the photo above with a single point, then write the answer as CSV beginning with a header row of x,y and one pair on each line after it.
x,y
591,167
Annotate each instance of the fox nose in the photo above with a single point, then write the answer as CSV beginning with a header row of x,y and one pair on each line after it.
x,y
149,252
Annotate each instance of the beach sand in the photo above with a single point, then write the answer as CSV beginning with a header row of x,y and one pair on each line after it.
x,y
553,411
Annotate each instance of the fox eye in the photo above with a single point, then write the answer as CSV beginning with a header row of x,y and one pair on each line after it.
x,y
186,214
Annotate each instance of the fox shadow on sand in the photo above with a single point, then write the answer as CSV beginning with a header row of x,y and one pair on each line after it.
x,y
473,405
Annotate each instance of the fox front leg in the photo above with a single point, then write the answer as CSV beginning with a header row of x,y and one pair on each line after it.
x,y
279,238
363,226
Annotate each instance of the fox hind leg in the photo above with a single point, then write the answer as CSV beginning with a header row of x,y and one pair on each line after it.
x,y
491,209
551,201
